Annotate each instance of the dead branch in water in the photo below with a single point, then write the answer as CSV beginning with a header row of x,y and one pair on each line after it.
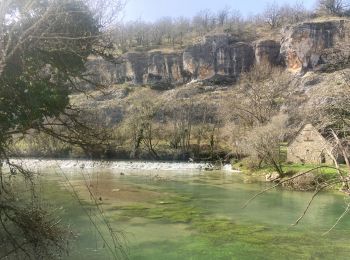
x,y
319,189
339,219
280,183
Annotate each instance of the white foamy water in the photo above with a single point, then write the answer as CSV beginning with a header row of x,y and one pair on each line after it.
x,y
228,168
38,164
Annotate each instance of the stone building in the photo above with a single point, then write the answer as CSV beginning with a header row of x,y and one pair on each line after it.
x,y
309,146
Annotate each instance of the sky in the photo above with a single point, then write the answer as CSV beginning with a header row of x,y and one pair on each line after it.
x,y
151,10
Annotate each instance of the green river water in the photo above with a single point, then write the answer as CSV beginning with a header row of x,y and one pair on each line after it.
x,y
197,217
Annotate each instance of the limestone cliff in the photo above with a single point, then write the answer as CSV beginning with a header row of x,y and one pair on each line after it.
x,y
215,56
154,68
268,51
316,45
218,55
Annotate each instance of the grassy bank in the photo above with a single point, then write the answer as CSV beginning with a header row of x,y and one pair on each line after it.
x,y
312,175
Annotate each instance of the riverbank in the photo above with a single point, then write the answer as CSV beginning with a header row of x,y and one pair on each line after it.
x,y
307,182
310,176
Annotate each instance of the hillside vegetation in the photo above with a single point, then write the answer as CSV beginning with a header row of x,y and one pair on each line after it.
x,y
204,116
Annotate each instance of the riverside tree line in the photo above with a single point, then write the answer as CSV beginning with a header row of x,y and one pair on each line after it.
x,y
169,31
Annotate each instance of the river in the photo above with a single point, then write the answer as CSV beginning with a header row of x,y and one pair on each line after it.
x,y
192,214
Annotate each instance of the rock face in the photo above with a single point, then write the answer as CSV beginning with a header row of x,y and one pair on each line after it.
x,y
161,70
101,71
135,67
268,51
314,45
156,69
218,56
219,59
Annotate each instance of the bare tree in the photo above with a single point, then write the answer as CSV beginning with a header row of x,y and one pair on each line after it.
x,y
293,14
204,21
166,29
273,15
182,27
106,12
141,126
261,94
333,7
235,18
263,143
223,16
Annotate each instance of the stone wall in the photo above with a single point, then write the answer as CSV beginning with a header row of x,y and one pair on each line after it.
x,y
309,146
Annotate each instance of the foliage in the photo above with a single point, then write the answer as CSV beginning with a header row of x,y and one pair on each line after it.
x,y
44,46
36,69
34,233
